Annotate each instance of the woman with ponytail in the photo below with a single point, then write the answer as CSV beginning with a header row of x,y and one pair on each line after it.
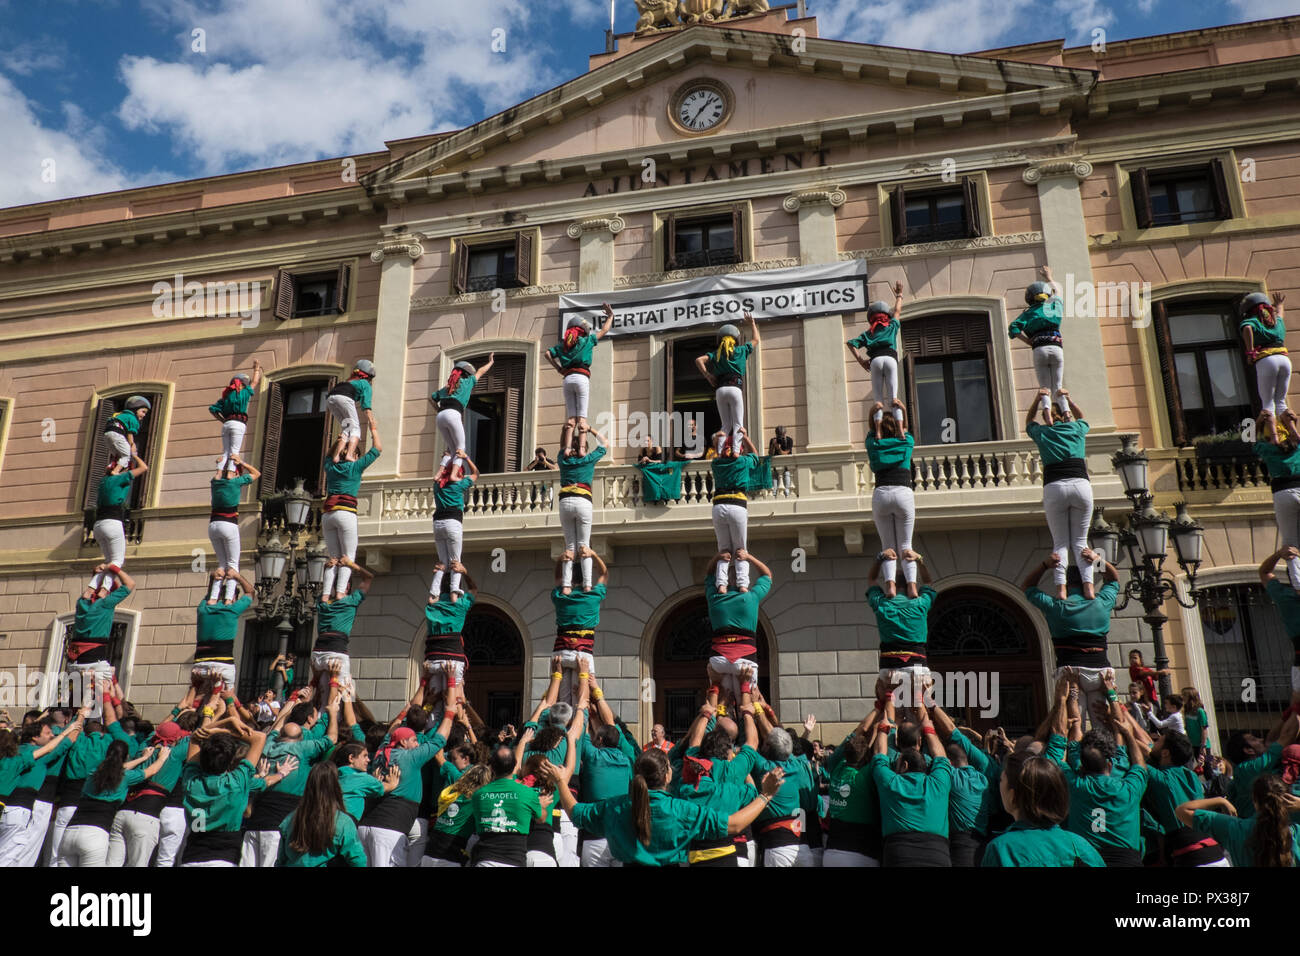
x,y
1269,838
648,827
231,409
881,342
450,400
1264,335
572,359
85,841
725,370
319,832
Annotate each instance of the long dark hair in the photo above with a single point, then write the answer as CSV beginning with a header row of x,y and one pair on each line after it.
x,y
1039,788
108,775
313,822
650,773
1272,835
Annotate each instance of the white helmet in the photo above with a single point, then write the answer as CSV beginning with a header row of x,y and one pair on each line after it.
x,y
366,367
137,401
465,367
728,330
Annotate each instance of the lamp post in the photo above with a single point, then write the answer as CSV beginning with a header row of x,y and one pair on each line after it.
x,y
1146,542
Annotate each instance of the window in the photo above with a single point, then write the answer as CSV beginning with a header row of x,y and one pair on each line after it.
x,y
118,640
494,418
1245,639
300,295
297,435
144,446
689,394
935,214
949,372
713,239
502,264
1203,367
261,647
1165,197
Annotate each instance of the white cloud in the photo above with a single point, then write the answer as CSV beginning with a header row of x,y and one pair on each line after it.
x,y
1265,9
32,56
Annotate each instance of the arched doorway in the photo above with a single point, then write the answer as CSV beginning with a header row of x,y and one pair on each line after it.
x,y
976,633
681,648
495,680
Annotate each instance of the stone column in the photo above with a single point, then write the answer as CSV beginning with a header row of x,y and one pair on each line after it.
x,y
825,388
596,274
1065,241
397,255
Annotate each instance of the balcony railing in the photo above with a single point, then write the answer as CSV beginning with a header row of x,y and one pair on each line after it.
x,y
1198,472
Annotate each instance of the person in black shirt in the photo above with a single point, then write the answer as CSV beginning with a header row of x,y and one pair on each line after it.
x,y
780,444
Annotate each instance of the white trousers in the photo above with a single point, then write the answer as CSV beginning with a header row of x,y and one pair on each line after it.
x,y
224,536
573,663
42,811
884,384
118,448
110,535
339,529
1049,367
431,861
344,409
221,671
733,671
595,853
540,859
451,427
1286,512
1295,680
132,840
84,846
261,848
575,520
417,838
1068,504
781,480
208,863
1273,378
384,848
731,527
320,663
448,538
16,836
437,683
794,855
171,836
1092,687
843,858
731,406
893,509
57,828
232,440
577,391
88,674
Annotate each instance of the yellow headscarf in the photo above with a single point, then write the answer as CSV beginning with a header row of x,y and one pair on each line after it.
x,y
728,345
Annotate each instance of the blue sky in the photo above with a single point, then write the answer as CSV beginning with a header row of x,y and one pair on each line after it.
x,y
114,93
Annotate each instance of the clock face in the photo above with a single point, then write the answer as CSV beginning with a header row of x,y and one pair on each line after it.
x,y
701,109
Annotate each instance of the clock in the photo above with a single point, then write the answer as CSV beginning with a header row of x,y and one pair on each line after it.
x,y
700,106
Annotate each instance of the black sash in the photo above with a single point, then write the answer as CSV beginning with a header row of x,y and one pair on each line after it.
x,y
206,846
448,846
345,389
916,850
1041,339
391,813
1120,856
963,847
95,813
22,797
894,477
1061,470
333,641
508,848
1285,484
450,404
875,351
110,513
270,809
1082,652
444,647
850,837
448,514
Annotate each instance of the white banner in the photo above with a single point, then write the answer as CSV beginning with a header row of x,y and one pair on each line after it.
x,y
803,292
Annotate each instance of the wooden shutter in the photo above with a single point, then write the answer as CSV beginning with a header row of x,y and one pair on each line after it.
x,y
513,426
460,268
327,428
738,231
99,455
144,447
271,443
1169,374
1219,190
524,258
1141,190
995,399
909,373
971,199
286,295
341,289
670,242
898,215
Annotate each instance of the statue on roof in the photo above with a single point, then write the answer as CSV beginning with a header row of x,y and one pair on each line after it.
x,y
666,14
697,11
656,15
743,8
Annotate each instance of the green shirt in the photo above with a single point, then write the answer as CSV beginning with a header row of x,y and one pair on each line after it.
x,y
885,335
361,387
1167,787
736,610
1280,462
1263,336
967,808
1039,317
733,364
12,768
412,761
577,357
30,774
733,474
853,795
901,618
219,623
746,761
1235,835
1287,602
226,492
1023,844
913,802
1196,725
990,797
216,803
455,812
461,392
114,490
308,750
1076,616
674,825
1105,809
579,609
886,454
234,403
606,771
340,614
452,494
357,786
169,773
1243,779
445,616
579,470
1060,442
345,846
344,477
93,620
129,421
129,779
506,806
721,798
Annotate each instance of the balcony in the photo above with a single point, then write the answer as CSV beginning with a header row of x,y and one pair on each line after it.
x,y
990,484
1213,479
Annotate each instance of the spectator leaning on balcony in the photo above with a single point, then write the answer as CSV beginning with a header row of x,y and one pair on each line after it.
x,y
577,473
733,473
338,524
344,400
110,513
893,506
1264,335
1067,492
881,342
540,462
1283,462
223,523
572,359
778,445
450,400
231,409
1039,326
449,491
725,371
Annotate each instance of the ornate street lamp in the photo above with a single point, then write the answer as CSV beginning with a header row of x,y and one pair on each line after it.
x,y
1104,537
1130,463
289,575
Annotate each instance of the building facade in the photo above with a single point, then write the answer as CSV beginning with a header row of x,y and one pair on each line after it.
x,y
1159,176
